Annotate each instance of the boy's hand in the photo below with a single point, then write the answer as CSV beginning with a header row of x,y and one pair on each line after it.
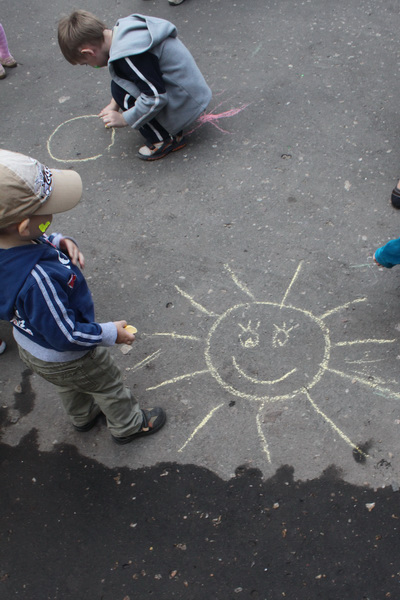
x,y
112,118
71,249
123,336
111,106
376,262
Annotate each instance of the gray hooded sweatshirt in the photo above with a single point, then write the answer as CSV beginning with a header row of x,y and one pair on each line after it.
x,y
183,95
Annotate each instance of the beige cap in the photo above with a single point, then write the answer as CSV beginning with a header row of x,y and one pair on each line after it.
x,y
27,187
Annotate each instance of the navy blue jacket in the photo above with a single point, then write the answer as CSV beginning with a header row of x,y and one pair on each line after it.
x,y
49,303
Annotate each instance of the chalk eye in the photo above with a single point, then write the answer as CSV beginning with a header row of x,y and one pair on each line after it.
x,y
281,335
249,338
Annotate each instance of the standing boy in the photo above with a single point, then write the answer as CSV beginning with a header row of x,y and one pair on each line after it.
x,y
155,80
46,298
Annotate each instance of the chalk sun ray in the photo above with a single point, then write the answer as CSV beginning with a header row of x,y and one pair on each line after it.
x,y
264,443
201,425
174,335
146,361
363,361
333,425
341,307
291,283
176,379
370,341
194,303
377,380
371,384
239,284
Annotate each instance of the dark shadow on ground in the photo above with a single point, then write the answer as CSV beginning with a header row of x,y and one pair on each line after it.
x,y
72,528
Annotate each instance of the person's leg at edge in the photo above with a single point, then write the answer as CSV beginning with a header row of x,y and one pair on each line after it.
x,y
5,56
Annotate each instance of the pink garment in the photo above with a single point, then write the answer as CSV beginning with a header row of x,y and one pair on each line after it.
x,y
4,51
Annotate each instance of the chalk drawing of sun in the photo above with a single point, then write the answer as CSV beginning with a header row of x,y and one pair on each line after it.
x,y
272,351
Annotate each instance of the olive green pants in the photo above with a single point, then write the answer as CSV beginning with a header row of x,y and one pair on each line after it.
x,y
88,386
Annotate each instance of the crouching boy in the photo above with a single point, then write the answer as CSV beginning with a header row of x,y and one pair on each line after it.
x,y
155,80
46,298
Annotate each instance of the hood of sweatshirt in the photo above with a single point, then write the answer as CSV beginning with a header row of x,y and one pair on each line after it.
x,y
137,34
15,266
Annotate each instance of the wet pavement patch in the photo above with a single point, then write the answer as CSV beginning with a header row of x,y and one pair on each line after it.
x,y
24,395
73,528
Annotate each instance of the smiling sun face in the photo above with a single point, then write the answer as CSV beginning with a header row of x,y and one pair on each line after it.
x,y
276,351
271,351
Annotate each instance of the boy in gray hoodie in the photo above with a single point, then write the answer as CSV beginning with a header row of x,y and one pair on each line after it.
x,y
155,80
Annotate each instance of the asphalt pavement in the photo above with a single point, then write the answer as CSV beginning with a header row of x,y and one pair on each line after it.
x,y
265,329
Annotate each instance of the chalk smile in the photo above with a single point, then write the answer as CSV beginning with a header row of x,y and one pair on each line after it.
x,y
261,381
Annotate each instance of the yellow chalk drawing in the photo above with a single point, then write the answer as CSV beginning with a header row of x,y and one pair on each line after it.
x,y
265,352
368,383
332,424
75,160
261,435
195,304
174,336
146,361
339,308
240,285
263,381
291,283
282,384
176,379
363,362
200,426
356,342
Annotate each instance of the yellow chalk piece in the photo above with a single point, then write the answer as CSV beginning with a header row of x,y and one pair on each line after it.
x,y
44,226
130,329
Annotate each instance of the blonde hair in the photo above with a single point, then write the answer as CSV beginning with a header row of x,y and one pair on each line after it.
x,y
80,28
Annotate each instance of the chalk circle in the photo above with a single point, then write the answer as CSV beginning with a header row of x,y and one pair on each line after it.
x,y
78,140
276,352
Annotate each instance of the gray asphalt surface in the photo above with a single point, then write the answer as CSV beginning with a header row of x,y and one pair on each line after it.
x,y
294,192
244,260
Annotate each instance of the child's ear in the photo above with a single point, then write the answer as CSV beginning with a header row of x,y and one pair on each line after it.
x,y
23,228
87,52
